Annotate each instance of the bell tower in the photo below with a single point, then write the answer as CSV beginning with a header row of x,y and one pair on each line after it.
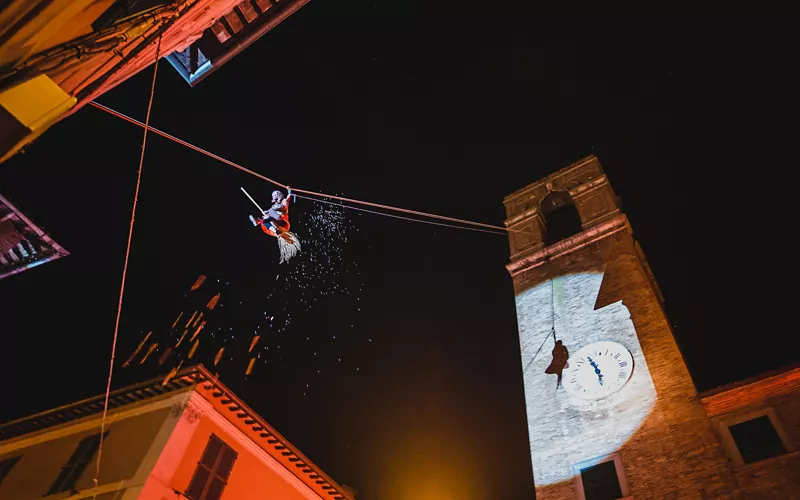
x,y
612,410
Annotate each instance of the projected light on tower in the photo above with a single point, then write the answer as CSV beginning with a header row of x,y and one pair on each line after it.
x,y
562,421
610,404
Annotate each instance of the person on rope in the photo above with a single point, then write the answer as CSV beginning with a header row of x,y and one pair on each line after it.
x,y
275,221
559,363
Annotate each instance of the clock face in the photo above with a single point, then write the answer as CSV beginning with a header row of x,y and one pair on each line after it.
x,y
598,370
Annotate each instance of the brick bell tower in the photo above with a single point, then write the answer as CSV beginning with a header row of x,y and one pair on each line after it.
x,y
612,411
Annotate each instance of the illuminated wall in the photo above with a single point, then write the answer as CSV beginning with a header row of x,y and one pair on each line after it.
x,y
596,283
157,434
255,474
563,429
767,467
135,438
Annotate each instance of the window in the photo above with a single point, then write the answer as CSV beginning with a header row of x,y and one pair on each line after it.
x,y
600,482
757,439
6,465
562,219
212,471
602,478
76,464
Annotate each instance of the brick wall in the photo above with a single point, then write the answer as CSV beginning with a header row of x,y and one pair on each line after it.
x,y
777,396
602,291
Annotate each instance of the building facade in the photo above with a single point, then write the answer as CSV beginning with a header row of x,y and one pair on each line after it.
x,y
185,438
23,244
56,56
758,423
612,410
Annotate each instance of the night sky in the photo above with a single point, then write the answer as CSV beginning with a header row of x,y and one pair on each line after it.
x,y
415,389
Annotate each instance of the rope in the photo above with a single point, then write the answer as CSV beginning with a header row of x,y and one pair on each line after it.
x,y
125,272
399,216
340,198
404,210
552,329
530,363
553,307
184,143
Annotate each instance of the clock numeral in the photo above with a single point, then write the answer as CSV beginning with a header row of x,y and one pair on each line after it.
x,y
617,356
623,364
578,387
622,375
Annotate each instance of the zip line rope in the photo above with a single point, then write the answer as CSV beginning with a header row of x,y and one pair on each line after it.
x,y
125,273
303,191
184,143
552,329
400,216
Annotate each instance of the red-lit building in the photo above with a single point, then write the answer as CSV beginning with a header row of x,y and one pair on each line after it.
x,y
189,438
58,55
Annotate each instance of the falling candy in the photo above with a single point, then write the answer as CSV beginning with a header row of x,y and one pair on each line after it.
x,y
218,356
199,317
213,302
177,319
194,348
198,330
254,342
149,351
171,374
138,348
191,319
250,366
164,356
199,282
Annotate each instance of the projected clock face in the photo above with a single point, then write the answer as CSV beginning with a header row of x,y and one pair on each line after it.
x,y
598,370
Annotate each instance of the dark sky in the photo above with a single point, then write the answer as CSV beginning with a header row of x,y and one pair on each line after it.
x,y
436,111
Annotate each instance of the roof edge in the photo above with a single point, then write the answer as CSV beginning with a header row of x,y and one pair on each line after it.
x,y
748,381
223,391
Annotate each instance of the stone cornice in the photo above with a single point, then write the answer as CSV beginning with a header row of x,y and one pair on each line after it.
x,y
571,244
209,411
521,216
549,178
588,186
724,400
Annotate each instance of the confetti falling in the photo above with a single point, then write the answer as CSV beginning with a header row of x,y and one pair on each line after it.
x,y
239,329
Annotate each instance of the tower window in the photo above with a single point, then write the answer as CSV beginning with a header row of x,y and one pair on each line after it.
x,y
212,471
562,219
6,465
601,478
600,482
76,464
757,439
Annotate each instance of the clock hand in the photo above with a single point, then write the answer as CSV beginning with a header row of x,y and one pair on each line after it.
x,y
596,370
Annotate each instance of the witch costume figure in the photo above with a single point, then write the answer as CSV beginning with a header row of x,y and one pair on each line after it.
x,y
559,363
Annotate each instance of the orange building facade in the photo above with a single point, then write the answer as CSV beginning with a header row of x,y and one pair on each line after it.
x,y
190,438
758,423
56,56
